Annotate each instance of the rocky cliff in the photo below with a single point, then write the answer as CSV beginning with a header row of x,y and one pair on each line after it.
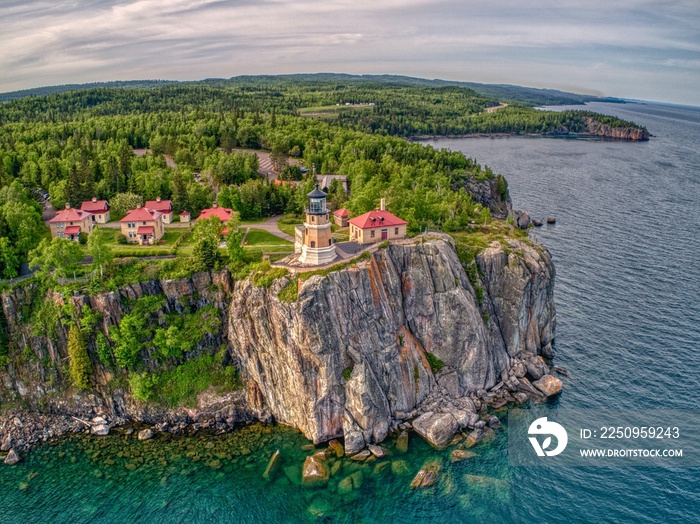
x,y
354,355
594,127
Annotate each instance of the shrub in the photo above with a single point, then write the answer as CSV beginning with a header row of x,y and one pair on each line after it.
x,y
347,373
121,239
290,293
82,238
79,365
435,363
181,385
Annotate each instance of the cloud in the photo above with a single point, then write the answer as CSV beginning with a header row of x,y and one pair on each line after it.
x,y
599,45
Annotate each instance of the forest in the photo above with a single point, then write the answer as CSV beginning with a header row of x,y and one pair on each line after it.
x,y
81,144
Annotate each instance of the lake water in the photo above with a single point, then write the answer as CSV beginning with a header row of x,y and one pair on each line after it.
x,y
627,293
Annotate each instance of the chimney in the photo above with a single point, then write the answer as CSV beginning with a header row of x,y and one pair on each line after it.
x,y
215,205
67,205
382,204
94,199
138,206
157,199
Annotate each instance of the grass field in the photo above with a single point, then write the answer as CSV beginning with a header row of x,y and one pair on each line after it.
x,y
259,237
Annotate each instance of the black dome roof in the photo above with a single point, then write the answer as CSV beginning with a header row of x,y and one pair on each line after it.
x,y
316,193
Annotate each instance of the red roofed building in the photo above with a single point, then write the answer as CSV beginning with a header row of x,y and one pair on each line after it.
x,y
185,216
162,206
340,217
376,226
142,226
69,223
223,213
99,209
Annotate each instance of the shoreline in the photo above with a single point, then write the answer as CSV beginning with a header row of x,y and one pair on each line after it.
x,y
581,136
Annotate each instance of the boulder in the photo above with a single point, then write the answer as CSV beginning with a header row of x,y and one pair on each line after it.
x,y
362,455
145,434
536,223
402,442
12,458
354,442
273,465
6,444
314,472
337,448
521,397
377,451
461,454
547,351
549,385
427,475
519,369
522,219
537,367
436,428
100,429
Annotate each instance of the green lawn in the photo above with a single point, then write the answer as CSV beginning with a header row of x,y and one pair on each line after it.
x,y
163,247
287,228
259,237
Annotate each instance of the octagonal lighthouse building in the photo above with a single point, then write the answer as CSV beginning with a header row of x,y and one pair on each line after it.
x,y
313,240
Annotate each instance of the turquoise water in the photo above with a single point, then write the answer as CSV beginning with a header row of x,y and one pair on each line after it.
x,y
626,248
220,479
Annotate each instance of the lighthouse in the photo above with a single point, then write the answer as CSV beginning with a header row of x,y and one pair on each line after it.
x,y
313,240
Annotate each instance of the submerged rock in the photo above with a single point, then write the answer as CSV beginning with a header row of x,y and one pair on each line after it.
x,y
458,455
273,465
402,442
337,448
314,472
427,475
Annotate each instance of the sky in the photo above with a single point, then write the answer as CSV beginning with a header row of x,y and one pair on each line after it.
x,y
639,49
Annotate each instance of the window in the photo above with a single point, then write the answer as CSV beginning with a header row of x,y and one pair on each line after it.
x,y
372,234
313,244
396,230
330,242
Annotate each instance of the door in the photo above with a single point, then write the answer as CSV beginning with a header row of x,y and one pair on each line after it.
x,y
385,234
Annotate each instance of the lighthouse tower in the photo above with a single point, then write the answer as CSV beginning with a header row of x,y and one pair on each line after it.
x,y
314,237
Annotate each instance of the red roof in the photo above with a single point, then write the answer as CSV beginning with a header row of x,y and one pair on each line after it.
x,y
342,213
95,206
141,214
185,213
72,230
164,206
69,215
145,230
223,213
375,219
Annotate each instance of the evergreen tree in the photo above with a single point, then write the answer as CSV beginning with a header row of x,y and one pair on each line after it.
x,y
79,364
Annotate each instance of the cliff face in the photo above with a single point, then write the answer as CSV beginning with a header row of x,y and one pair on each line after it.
x,y
350,356
622,133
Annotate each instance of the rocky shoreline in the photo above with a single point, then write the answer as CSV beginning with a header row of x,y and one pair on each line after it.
x,y
352,358
442,420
